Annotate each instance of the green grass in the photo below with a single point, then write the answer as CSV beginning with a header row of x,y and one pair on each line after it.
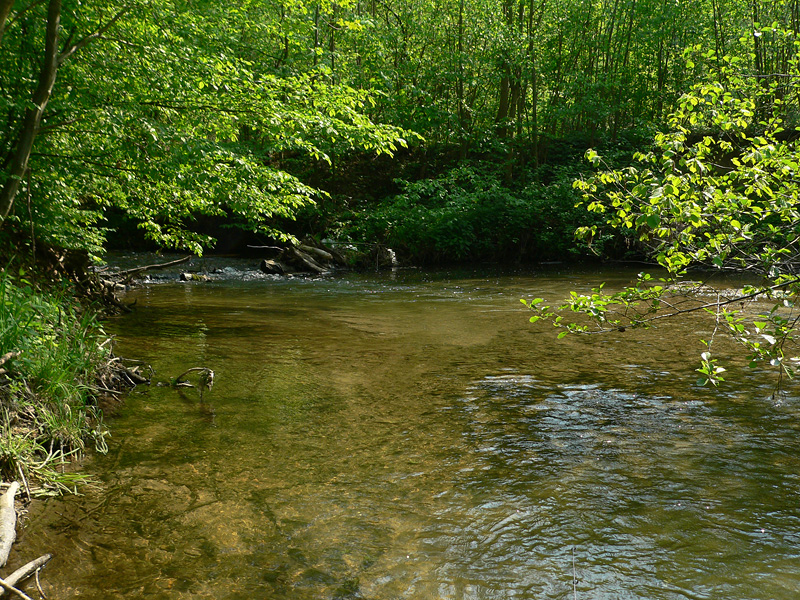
x,y
48,412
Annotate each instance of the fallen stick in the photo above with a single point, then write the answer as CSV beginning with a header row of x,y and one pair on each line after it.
x,y
13,590
26,571
130,272
206,377
8,522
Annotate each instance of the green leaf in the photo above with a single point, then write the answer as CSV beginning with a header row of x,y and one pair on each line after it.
x,y
653,221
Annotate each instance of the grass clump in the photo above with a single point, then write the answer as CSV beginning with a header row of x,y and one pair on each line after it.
x,y
51,350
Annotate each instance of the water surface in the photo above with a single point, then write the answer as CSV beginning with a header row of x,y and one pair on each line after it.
x,y
411,435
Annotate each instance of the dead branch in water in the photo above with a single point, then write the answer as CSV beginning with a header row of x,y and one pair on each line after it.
x,y
206,379
26,571
10,588
131,272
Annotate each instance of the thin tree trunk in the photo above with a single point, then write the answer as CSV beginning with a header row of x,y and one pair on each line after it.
x,y
33,115
5,9
462,107
332,42
316,35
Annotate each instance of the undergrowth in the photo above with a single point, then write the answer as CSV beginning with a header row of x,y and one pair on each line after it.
x,y
51,349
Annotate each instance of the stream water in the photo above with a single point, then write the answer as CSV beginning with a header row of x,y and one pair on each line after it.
x,y
411,435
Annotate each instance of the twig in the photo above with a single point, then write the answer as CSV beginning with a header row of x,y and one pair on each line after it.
x,y
24,482
98,388
13,590
25,571
39,585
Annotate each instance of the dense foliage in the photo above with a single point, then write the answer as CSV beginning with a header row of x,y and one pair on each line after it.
x,y
469,212
163,111
159,110
719,191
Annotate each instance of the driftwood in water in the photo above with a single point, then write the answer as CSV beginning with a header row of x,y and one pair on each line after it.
x,y
8,522
131,272
304,261
303,257
10,588
206,378
26,571
193,277
318,253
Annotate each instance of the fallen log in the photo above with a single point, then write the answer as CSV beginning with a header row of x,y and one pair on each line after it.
x,y
5,358
8,356
26,571
8,521
305,261
318,252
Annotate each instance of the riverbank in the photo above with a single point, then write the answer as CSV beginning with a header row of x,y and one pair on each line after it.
x,y
55,357
56,364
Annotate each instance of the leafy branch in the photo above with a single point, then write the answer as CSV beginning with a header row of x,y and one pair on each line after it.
x,y
725,199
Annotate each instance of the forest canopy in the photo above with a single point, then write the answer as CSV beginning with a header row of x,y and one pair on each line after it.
x,y
159,112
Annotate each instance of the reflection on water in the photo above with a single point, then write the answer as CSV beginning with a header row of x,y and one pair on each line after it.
x,y
415,437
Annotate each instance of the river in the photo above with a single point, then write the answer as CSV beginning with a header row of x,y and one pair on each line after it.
x,y
409,435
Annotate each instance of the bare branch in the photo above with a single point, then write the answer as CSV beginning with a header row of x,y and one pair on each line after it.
x,y
719,304
131,272
27,570
13,590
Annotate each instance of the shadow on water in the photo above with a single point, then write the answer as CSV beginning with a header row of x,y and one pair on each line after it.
x,y
412,436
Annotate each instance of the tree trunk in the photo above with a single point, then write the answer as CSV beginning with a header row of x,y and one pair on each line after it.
x,y
33,115
5,9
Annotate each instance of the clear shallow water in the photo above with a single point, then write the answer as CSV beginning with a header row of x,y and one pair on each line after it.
x,y
410,435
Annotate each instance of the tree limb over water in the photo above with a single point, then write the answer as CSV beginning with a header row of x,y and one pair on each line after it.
x,y
685,210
